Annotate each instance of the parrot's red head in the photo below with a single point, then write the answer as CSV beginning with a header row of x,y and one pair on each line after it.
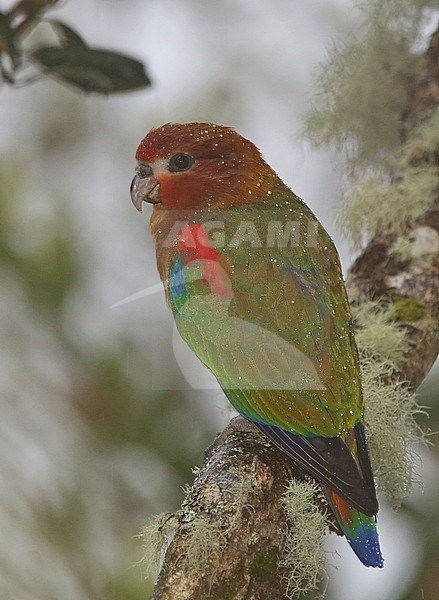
x,y
199,165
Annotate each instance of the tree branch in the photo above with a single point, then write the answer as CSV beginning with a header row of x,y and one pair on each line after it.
x,y
245,562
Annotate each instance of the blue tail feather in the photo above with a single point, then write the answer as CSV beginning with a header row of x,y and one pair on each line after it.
x,y
360,530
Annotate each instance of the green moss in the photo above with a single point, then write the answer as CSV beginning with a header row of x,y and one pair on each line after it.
x,y
264,564
407,310
263,567
230,588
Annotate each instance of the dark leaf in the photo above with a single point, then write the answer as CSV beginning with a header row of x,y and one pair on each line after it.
x,y
92,70
7,40
68,37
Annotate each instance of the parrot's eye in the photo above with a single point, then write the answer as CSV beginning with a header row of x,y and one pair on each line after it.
x,y
181,162
143,171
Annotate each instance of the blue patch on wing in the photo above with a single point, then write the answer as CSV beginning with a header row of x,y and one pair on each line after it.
x,y
177,284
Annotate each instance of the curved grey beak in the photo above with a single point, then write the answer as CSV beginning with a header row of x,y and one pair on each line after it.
x,y
144,189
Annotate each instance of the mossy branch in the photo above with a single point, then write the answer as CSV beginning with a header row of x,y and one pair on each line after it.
x,y
233,526
239,493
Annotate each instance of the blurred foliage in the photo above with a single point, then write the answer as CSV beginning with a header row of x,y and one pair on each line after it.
x,y
111,449
47,275
72,62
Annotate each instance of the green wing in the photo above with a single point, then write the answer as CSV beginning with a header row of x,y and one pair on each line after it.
x,y
281,345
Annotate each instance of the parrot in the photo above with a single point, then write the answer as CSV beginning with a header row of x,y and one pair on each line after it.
x,y
255,286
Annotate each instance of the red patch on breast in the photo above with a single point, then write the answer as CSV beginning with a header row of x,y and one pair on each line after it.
x,y
193,246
